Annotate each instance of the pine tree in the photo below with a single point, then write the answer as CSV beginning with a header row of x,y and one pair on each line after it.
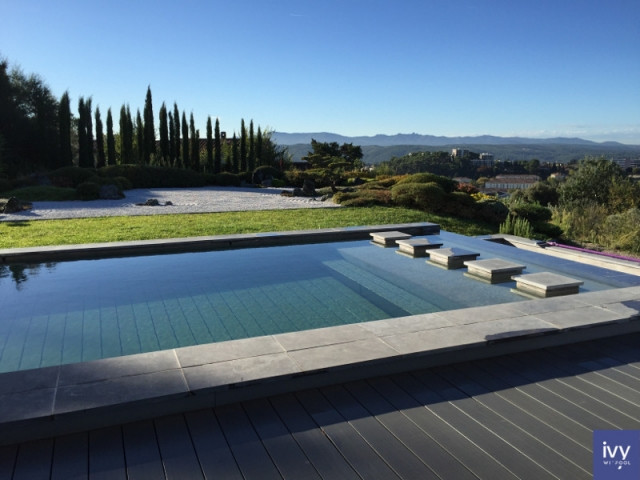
x,y
251,160
164,135
111,141
217,162
149,146
64,128
209,145
243,146
100,141
185,142
195,145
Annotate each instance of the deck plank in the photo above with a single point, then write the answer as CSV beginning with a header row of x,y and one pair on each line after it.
x,y
282,447
178,455
141,451
322,453
211,447
402,460
476,423
248,450
351,445
71,457
468,453
34,460
106,454
441,462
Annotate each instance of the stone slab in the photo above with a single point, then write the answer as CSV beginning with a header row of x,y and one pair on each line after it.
x,y
493,270
452,258
417,247
388,239
546,284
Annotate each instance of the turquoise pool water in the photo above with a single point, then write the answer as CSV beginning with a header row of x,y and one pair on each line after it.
x,y
75,311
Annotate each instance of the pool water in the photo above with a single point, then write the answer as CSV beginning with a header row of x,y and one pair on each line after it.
x,y
75,311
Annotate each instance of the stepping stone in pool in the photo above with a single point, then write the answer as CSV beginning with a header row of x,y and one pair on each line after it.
x,y
416,247
546,284
493,270
388,239
451,258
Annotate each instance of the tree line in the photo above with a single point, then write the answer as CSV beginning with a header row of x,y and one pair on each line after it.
x,y
38,131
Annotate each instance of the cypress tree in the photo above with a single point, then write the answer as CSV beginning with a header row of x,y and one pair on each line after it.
x,y
259,147
164,135
89,137
243,146
185,142
217,162
82,134
195,145
139,144
235,163
149,146
102,160
64,128
172,140
209,145
126,135
111,141
251,161
176,119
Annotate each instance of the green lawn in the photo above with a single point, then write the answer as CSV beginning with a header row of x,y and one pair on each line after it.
x,y
111,229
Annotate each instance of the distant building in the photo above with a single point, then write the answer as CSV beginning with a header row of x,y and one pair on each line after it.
x,y
459,152
510,182
485,160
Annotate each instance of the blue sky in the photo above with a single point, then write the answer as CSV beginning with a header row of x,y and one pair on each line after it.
x,y
541,68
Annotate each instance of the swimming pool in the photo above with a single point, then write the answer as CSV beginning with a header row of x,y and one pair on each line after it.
x,y
75,311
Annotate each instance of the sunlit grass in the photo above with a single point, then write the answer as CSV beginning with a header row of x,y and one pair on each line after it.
x,y
113,229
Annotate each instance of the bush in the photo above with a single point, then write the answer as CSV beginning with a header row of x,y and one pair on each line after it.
x,y
492,211
44,193
532,212
460,204
622,231
518,226
5,185
424,196
70,177
88,191
226,179
363,198
447,184
143,176
265,172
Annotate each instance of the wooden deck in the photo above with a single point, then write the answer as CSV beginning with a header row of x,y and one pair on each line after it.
x,y
527,416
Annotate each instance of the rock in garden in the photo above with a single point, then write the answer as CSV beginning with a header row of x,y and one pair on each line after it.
x,y
13,205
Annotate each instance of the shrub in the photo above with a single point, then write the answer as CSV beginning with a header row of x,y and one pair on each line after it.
x,y
447,184
363,198
518,226
88,191
5,185
424,196
70,176
265,172
460,204
492,211
43,193
143,176
226,179
531,211
622,231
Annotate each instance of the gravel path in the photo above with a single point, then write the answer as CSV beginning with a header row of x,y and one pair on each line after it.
x,y
184,200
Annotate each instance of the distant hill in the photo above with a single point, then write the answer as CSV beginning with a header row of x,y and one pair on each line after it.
x,y
380,148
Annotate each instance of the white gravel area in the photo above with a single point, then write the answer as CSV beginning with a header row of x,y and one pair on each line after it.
x,y
183,200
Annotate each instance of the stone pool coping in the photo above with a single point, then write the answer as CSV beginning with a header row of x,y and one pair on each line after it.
x,y
76,397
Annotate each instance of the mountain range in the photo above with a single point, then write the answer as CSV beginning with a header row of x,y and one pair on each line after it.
x,y
283,138
380,148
